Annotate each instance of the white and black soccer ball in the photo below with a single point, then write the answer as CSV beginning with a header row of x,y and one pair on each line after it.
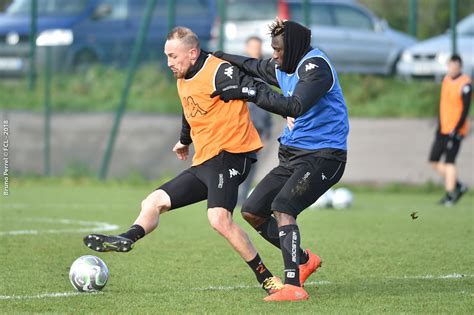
x,y
342,198
324,201
88,274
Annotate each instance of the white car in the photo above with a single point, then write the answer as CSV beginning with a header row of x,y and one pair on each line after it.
x,y
429,58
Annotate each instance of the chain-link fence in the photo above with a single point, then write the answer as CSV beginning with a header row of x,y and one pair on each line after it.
x,y
107,55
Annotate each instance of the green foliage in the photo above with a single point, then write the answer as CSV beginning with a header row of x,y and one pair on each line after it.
x,y
377,259
99,89
433,15
374,96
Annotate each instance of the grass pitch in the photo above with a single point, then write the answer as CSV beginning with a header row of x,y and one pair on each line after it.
x,y
377,259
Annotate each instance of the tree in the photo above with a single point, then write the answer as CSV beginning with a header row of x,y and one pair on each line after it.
x,y
433,15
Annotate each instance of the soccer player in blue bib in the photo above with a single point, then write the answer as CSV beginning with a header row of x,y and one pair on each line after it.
x,y
313,146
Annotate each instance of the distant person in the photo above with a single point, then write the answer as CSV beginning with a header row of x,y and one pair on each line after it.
x,y
262,120
452,128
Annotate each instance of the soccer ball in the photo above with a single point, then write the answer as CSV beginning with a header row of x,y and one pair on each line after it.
x,y
88,274
342,198
325,200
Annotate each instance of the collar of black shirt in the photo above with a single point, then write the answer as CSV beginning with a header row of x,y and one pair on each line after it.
x,y
197,66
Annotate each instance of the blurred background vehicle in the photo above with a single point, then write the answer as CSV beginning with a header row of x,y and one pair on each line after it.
x,y
82,32
429,58
353,37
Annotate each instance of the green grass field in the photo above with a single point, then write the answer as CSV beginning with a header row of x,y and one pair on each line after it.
x,y
377,259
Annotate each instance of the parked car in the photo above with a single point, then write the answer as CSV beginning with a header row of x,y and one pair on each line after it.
x,y
429,58
85,31
352,36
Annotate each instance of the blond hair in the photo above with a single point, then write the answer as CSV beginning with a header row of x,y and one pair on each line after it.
x,y
185,35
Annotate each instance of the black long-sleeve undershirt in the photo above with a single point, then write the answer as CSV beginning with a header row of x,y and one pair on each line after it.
x,y
315,80
466,104
185,136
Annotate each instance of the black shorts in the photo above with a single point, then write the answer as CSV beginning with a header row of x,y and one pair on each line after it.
x,y
444,145
216,180
292,187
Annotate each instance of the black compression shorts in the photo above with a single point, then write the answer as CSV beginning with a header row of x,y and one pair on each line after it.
x,y
444,145
294,185
216,180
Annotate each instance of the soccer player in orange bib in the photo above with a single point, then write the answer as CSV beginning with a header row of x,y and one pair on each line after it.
x,y
453,125
225,143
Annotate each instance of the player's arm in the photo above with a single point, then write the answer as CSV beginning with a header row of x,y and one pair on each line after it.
x,y
185,136
316,79
264,69
181,148
466,104
229,77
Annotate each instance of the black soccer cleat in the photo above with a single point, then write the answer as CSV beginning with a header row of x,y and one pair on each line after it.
x,y
446,201
460,190
108,243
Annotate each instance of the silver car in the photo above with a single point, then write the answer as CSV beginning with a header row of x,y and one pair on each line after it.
x,y
351,35
429,58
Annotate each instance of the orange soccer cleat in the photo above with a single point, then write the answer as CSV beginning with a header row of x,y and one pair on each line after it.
x,y
313,263
272,285
288,293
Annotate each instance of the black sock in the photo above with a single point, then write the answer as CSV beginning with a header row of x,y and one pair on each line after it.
x,y
290,242
303,257
135,233
257,266
269,231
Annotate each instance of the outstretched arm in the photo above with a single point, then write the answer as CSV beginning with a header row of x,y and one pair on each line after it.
x,y
264,69
316,79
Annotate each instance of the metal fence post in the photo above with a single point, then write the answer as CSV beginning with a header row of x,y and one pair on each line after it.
x,y
32,40
413,17
307,13
137,48
222,19
171,23
47,111
453,21
171,14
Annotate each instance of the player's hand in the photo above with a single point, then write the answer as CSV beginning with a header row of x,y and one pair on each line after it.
x,y
234,92
454,135
290,122
181,150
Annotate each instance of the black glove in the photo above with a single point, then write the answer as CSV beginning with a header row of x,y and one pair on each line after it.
x,y
235,92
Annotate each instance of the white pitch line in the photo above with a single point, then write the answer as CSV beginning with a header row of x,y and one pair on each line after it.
x,y
88,226
38,296
226,288
324,282
242,286
13,206
432,277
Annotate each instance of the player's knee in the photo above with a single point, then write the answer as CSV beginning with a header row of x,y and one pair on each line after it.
x,y
219,220
254,220
434,165
157,201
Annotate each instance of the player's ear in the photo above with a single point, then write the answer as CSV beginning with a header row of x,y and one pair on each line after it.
x,y
193,54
